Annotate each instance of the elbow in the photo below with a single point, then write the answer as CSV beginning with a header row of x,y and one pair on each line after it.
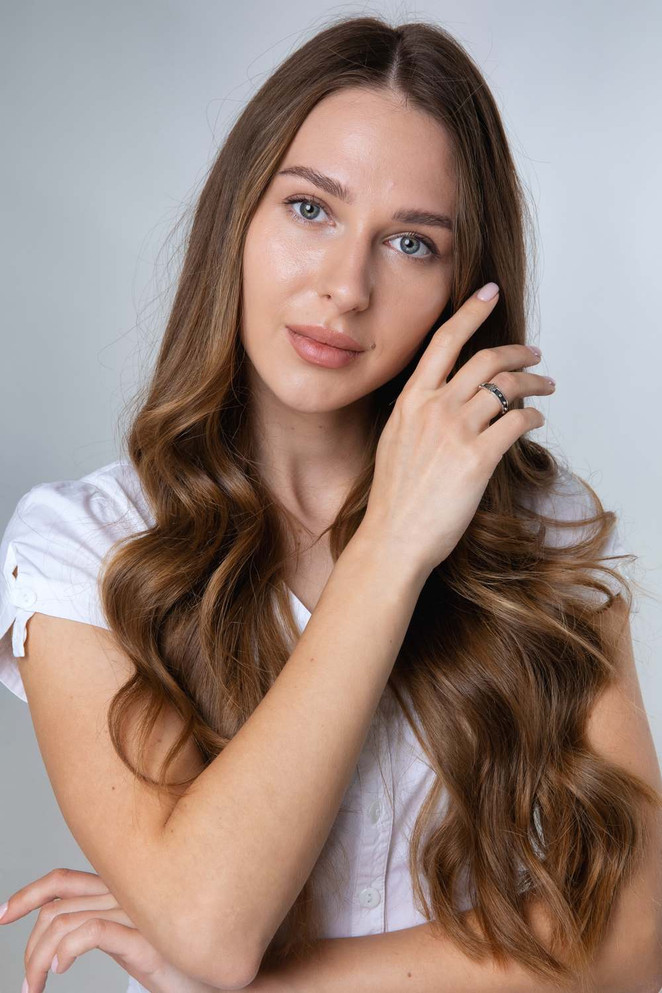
x,y
220,973
218,961
215,959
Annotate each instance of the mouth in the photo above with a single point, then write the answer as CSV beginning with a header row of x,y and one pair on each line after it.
x,y
327,336
319,353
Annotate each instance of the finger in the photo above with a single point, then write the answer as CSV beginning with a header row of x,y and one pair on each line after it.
x,y
497,439
484,405
55,942
58,883
486,366
127,946
436,362
102,902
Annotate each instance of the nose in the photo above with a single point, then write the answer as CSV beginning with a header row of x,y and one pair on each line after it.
x,y
345,273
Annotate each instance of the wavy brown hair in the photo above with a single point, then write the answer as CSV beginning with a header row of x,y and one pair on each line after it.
x,y
503,656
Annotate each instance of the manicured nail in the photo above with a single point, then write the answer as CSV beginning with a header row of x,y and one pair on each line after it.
x,y
55,965
488,291
535,350
3,909
24,988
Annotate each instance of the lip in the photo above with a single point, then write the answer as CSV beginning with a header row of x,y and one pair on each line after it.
x,y
319,354
328,336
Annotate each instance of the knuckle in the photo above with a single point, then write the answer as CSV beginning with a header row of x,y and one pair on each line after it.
x,y
488,355
507,382
61,923
45,913
95,927
409,402
443,336
60,875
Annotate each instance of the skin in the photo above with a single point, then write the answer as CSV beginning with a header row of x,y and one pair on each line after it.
x,y
346,268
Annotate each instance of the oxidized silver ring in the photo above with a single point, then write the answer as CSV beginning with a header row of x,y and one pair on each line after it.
x,y
497,393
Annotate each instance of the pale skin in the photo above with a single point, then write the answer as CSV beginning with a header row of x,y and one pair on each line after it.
x,y
346,268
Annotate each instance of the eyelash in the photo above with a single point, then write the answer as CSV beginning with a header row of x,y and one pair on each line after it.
x,y
405,234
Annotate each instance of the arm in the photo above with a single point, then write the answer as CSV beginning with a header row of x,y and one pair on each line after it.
x,y
246,835
209,874
630,958
416,960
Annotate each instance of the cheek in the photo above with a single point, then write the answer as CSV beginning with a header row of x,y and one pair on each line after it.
x,y
396,355
271,261
407,328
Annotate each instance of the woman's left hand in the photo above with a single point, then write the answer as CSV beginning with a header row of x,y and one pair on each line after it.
x,y
78,913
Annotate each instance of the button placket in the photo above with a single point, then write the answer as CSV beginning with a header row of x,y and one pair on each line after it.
x,y
368,916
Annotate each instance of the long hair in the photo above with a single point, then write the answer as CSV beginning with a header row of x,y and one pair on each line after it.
x,y
503,656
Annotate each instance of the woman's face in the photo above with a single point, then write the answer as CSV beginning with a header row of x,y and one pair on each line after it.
x,y
347,264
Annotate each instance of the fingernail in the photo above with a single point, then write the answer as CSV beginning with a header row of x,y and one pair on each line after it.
x,y
535,350
55,965
3,909
488,291
24,988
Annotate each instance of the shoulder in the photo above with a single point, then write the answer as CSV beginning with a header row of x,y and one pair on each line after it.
x,y
53,547
91,512
108,494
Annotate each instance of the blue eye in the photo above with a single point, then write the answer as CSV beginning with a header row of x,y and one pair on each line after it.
x,y
311,203
410,235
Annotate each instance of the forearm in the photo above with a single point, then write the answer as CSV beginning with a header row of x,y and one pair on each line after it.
x,y
416,960
246,835
628,961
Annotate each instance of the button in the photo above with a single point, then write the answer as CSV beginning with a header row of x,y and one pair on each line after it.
x,y
369,897
375,811
25,598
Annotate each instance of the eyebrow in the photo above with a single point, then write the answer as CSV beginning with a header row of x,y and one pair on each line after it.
x,y
336,189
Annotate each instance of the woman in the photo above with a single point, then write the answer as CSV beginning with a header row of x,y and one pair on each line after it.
x,y
330,473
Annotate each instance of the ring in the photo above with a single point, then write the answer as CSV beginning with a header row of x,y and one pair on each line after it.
x,y
493,388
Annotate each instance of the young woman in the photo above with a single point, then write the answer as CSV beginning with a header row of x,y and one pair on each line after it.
x,y
331,675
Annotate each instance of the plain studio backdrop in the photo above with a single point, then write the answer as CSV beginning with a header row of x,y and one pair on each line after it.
x,y
111,115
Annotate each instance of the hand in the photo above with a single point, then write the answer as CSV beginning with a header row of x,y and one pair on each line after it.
x,y
438,450
79,913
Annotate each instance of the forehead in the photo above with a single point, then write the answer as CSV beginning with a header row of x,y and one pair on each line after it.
x,y
378,147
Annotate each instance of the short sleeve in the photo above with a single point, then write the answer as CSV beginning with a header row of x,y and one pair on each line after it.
x,y
50,558
570,500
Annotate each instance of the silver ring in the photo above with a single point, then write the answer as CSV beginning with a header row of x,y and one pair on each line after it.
x,y
493,388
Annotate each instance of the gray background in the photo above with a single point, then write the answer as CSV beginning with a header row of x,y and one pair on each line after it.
x,y
111,114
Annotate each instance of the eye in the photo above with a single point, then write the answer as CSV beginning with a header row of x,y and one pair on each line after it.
x,y
412,236
408,235
306,200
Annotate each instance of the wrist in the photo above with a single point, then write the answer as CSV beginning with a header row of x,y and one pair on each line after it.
x,y
392,564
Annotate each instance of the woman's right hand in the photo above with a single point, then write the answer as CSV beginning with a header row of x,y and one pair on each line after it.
x,y
438,450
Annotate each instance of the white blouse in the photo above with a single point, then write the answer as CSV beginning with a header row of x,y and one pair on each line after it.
x,y
55,540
